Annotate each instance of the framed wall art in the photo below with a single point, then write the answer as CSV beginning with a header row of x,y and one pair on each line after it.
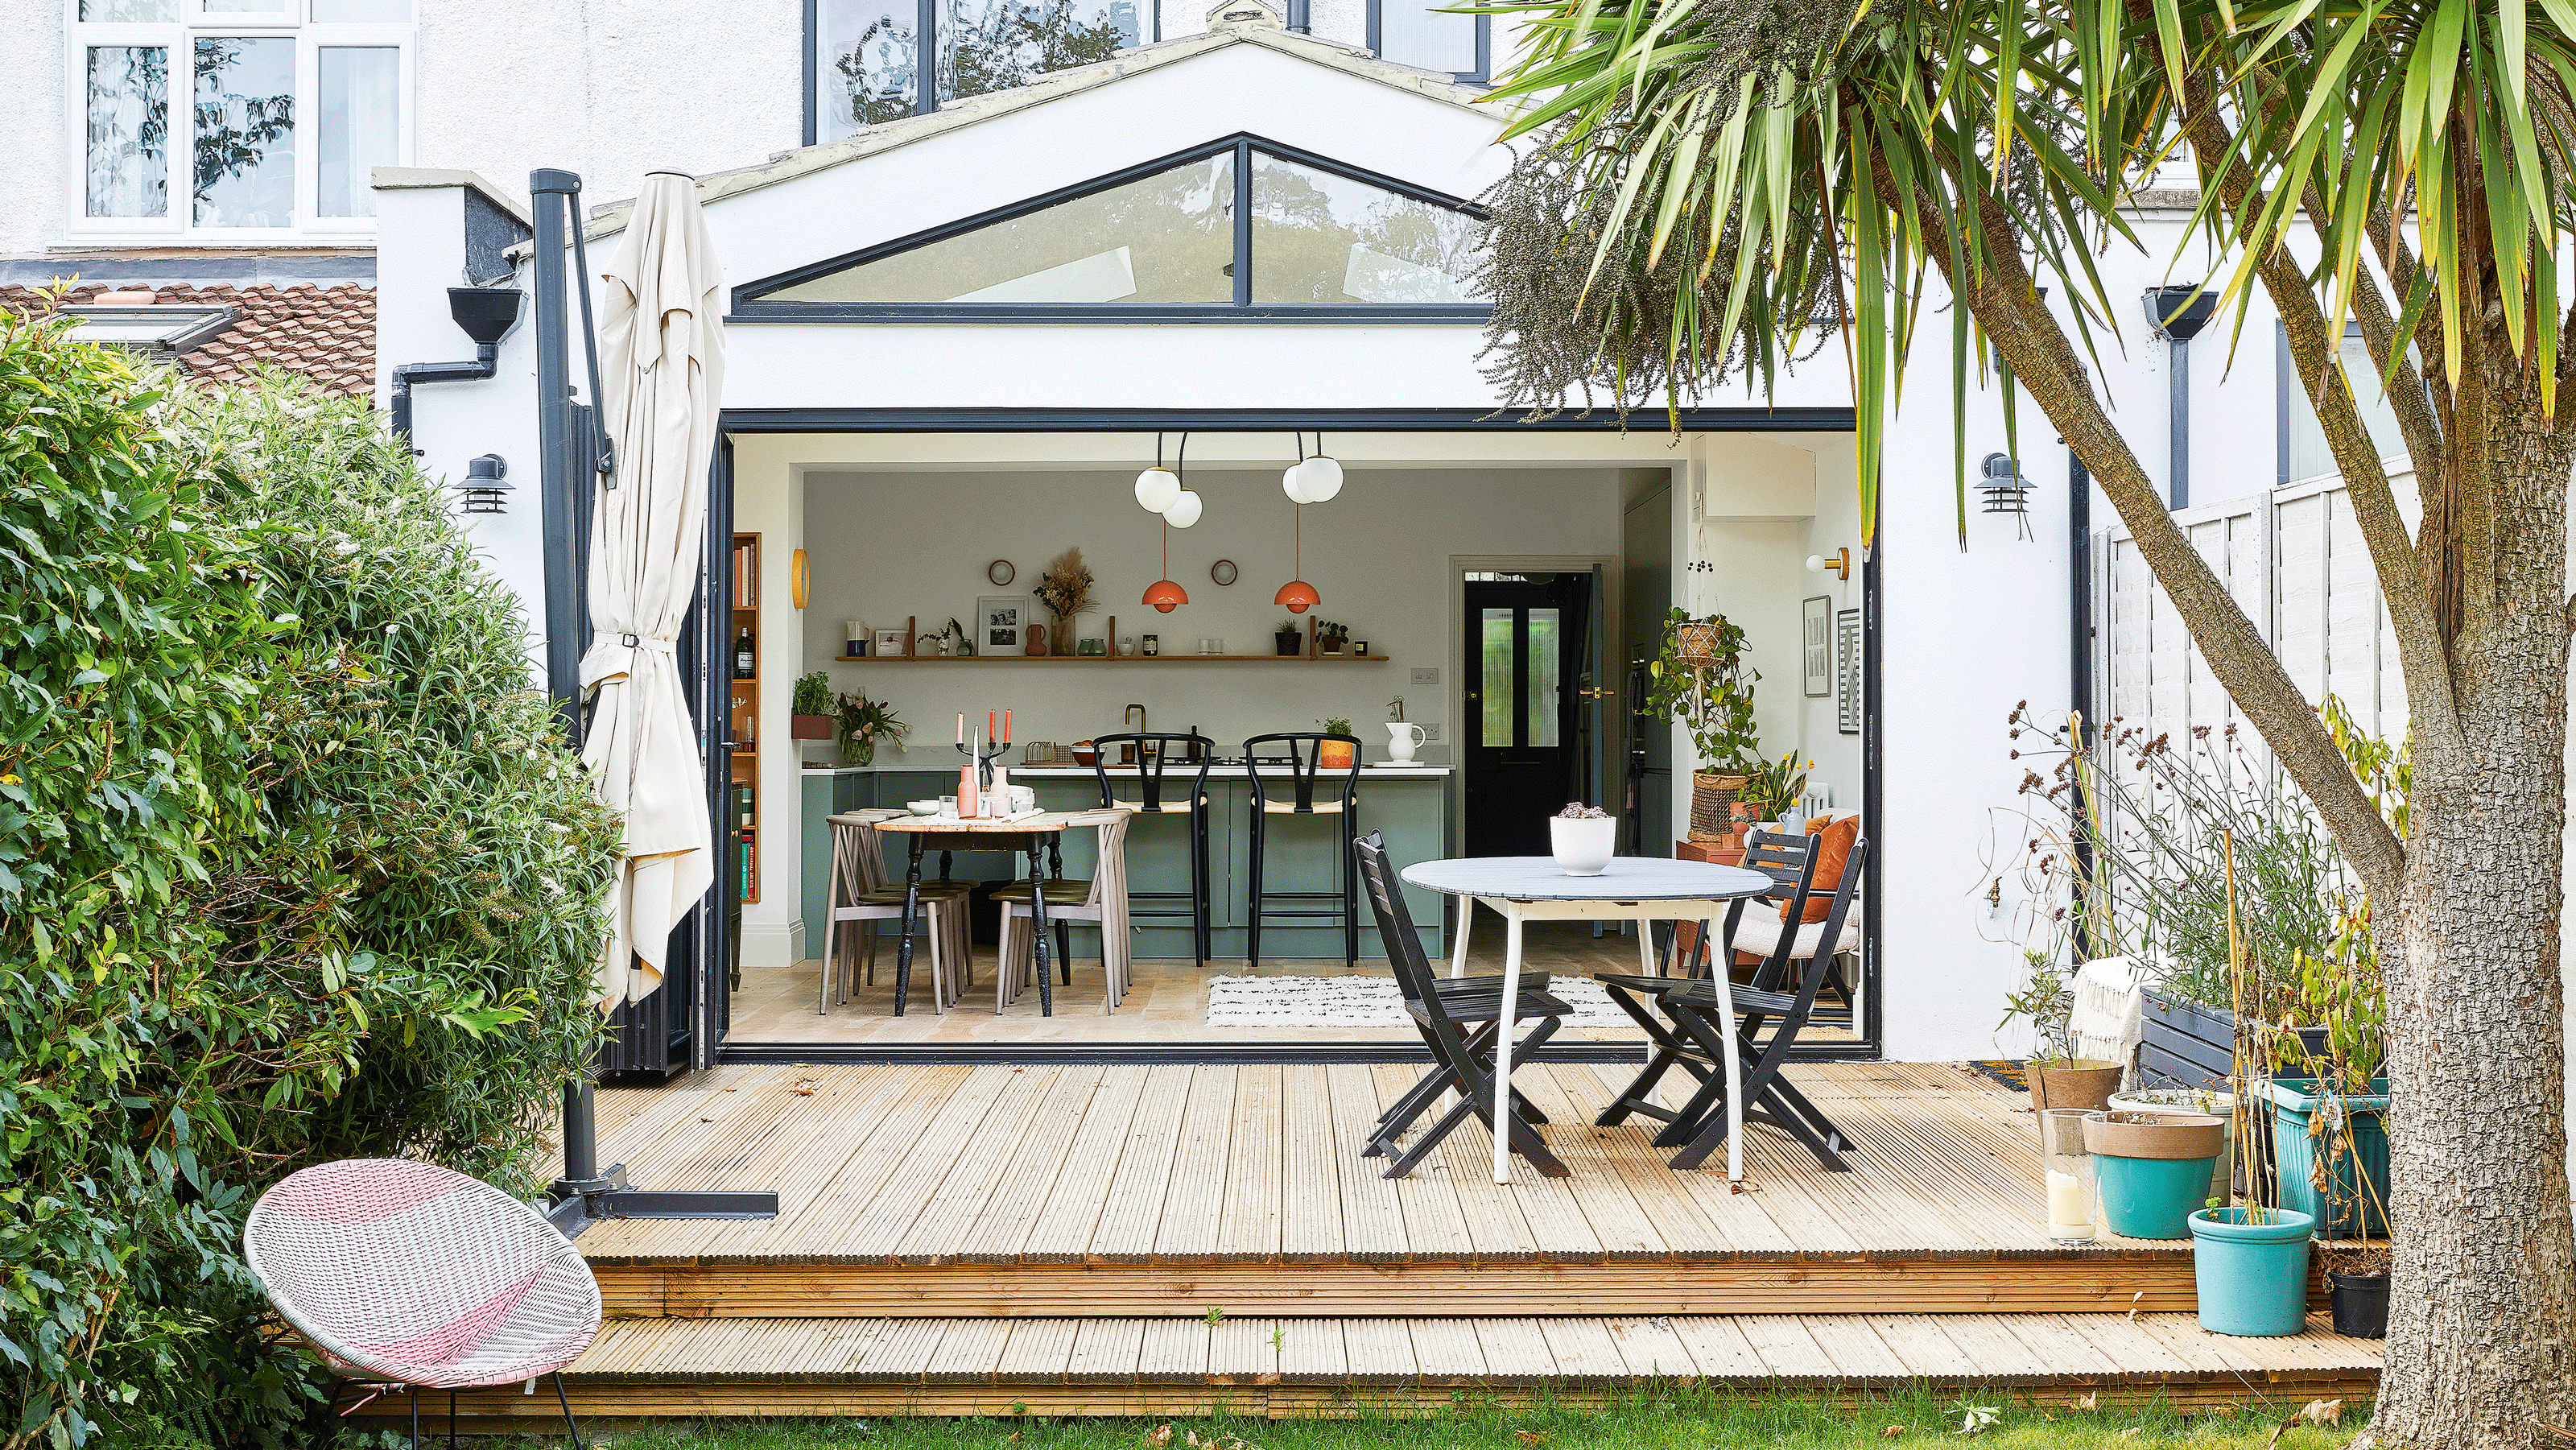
x,y
1001,622
1816,644
1847,671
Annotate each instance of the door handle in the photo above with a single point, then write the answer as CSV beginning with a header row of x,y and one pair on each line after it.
x,y
1594,694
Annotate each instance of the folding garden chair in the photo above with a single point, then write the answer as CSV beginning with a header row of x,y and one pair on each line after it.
x,y
1459,1020
1770,1014
416,1275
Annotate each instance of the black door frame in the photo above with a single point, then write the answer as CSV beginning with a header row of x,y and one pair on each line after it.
x,y
716,959
1569,704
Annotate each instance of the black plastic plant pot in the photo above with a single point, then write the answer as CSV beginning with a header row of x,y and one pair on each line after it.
x,y
2360,1305
1287,642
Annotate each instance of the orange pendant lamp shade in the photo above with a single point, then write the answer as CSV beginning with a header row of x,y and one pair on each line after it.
x,y
1164,595
1297,596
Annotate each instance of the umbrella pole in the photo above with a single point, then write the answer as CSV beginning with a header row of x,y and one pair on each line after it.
x,y
585,1193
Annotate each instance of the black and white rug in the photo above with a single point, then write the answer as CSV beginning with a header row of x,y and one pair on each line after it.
x,y
1367,1002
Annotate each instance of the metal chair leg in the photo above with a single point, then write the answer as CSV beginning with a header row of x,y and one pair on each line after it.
x,y
1252,922
415,1417
566,1401
451,1420
1350,892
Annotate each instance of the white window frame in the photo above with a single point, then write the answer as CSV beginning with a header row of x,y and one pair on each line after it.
x,y
179,38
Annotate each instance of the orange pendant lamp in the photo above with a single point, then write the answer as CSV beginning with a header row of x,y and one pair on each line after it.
x,y
1297,595
1164,594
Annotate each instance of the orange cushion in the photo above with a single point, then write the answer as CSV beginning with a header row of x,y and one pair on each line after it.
x,y
1833,849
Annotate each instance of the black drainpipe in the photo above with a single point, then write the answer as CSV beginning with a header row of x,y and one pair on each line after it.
x,y
486,314
2079,670
2178,314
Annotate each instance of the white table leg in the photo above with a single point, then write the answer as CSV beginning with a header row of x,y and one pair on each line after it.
x,y
1734,1072
1505,1026
1645,945
1458,949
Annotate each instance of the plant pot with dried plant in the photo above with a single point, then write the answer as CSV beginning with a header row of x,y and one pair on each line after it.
x,y
1065,591
2057,1077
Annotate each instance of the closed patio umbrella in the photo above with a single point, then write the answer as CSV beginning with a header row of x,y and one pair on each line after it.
x,y
662,382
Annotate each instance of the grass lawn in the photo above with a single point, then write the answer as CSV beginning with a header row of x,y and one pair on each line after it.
x,y
1682,1421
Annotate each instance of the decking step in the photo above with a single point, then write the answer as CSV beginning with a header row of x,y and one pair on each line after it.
x,y
1285,1366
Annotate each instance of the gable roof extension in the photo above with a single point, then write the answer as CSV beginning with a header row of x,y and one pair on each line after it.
x,y
1247,24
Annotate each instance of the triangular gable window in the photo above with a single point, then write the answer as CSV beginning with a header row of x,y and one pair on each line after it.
x,y
1238,228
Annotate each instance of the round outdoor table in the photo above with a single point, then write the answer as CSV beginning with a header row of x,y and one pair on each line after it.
x,y
1641,889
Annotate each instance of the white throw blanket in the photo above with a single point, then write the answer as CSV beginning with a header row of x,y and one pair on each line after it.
x,y
2110,1009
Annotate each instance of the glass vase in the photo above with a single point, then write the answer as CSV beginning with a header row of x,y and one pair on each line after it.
x,y
858,750
2069,1169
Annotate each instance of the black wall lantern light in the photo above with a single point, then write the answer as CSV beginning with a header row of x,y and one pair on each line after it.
x,y
484,491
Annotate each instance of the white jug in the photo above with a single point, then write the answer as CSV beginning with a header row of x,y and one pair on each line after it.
x,y
1402,737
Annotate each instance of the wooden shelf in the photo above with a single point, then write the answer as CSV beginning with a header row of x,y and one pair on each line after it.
x,y
1111,659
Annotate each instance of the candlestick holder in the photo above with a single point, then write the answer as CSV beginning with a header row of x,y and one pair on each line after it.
x,y
983,762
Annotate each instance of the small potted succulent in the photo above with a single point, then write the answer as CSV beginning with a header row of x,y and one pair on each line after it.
x,y
1288,638
809,705
863,723
1335,754
1583,838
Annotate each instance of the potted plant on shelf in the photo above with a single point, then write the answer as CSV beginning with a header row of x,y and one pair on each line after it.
x,y
1065,590
2057,1077
1583,838
1774,788
809,705
1288,638
1700,682
1331,637
863,723
1335,754
965,638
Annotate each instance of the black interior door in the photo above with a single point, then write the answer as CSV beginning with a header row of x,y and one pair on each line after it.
x,y
1525,753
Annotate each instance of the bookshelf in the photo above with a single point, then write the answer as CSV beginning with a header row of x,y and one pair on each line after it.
x,y
742,719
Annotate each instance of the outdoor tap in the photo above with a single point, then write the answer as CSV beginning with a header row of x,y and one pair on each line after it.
x,y
1395,708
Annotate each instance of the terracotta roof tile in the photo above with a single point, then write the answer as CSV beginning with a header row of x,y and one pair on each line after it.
x,y
326,333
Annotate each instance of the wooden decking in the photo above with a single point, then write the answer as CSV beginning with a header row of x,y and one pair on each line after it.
x,y
1119,1239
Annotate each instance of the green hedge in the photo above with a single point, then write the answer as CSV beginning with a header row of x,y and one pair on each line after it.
x,y
292,868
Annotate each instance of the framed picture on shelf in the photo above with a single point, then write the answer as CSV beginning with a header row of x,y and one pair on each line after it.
x,y
1000,622
886,642
1847,671
1816,644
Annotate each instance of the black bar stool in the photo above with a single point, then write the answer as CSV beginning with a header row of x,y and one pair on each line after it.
x,y
1155,752
1291,790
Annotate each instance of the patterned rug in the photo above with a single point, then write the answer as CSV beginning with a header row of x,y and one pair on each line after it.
x,y
2007,1073
1366,1002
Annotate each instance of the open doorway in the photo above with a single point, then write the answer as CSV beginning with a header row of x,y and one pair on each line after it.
x,y
1529,718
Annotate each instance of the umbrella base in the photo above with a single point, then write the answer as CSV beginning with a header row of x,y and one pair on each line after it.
x,y
579,1203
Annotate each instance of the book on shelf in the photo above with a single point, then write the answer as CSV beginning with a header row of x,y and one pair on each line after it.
x,y
746,578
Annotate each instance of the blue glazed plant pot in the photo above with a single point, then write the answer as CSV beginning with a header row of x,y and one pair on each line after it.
x,y
2349,1153
2252,1278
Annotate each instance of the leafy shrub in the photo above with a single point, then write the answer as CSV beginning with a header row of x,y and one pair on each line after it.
x,y
292,868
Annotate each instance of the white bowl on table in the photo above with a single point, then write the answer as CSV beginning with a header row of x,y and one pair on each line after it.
x,y
1583,845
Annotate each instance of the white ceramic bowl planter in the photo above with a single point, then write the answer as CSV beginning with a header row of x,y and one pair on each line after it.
x,y
1583,844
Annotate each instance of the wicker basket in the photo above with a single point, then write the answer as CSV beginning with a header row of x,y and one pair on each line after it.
x,y
1698,643
1711,794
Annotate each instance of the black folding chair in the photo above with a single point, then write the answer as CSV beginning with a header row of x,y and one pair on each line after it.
x,y
1460,1021
1691,1007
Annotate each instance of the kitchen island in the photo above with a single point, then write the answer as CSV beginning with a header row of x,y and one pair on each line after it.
x,y
1414,807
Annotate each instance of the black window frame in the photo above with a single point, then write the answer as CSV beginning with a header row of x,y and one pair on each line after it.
x,y
1482,75
752,303
925,70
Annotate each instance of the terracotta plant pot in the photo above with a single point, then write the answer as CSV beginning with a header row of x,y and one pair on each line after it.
x,y
1697,643
809,727
2077,1083
1333,754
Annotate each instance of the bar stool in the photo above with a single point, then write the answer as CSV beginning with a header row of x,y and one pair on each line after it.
x,y
859,898
1101,901
1293,793
1154,752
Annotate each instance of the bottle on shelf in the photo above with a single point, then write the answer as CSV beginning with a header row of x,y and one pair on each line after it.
x,y
746,658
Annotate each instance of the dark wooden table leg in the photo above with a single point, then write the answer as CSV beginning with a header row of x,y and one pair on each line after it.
x,y
1063,933
1038,924
911,909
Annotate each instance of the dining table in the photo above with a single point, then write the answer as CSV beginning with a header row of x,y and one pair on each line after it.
x,y
1030,831
1642,889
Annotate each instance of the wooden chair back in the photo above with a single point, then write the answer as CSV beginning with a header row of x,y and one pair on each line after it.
x,y
1154,754
1299,769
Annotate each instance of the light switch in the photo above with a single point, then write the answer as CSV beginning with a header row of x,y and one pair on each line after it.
x,y
1430,733
1426,674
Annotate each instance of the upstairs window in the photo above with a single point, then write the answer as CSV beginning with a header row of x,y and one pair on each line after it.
x,y
1233,229
1428,37
236,120
864,64
2303,450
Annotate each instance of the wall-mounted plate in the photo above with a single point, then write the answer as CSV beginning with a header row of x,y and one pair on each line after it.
x,y
1000,572
1223,571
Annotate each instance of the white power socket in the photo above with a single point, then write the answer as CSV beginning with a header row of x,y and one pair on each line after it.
x,y
1429,732
1426,675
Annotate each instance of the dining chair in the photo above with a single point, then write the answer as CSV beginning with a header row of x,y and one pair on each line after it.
x,y
1769,1015
1101,902
859,899
1298,785
1460,1026
1157,797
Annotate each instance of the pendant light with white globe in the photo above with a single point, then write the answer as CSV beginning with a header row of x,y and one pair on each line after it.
x,y
1157,487
1164,594
1297,596
1318,477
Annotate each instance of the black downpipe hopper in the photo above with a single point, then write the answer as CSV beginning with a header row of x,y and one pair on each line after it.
x,y
2178,314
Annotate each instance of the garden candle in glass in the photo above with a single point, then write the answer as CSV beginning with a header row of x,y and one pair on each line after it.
x,y
2070,1174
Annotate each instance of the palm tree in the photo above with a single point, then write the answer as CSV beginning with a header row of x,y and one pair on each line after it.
x,y
1717,179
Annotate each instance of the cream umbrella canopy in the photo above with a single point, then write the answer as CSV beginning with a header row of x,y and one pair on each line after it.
x,y
662,366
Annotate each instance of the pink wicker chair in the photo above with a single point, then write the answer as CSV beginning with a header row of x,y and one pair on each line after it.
x,y
413,1274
